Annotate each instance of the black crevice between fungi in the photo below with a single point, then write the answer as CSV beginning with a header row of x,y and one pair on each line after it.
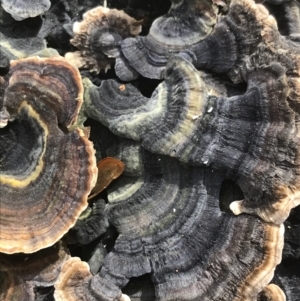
x,y
229,192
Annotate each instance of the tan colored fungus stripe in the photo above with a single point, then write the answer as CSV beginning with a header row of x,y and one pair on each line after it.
x,y
274,293
72,270
263,274
21,183
196,103
73,279
280,210
11,290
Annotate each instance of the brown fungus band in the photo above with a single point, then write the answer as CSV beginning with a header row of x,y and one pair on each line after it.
x,y
46,171
34,272
108,170
237,122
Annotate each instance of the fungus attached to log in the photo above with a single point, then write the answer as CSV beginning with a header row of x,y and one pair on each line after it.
x,y
23,9
46,171
167,219
98,37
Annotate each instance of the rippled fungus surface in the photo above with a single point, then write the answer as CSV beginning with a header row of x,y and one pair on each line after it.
x,y
192,113
46,172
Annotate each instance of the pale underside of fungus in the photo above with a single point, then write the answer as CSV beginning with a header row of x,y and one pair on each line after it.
x,y
196,191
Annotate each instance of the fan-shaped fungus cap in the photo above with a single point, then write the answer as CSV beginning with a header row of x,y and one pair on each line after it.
x,y
186,23
46,172
23,9
98,37
75,282
188,118
234,39
189,247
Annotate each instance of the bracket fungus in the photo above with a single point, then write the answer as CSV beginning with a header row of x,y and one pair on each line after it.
x,y
188,246
98,37
46,171
234,39
187,118
207,129
186,23
73,284
247,32
23,9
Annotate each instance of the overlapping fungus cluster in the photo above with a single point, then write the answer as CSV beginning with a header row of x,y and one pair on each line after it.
x,y
191,109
